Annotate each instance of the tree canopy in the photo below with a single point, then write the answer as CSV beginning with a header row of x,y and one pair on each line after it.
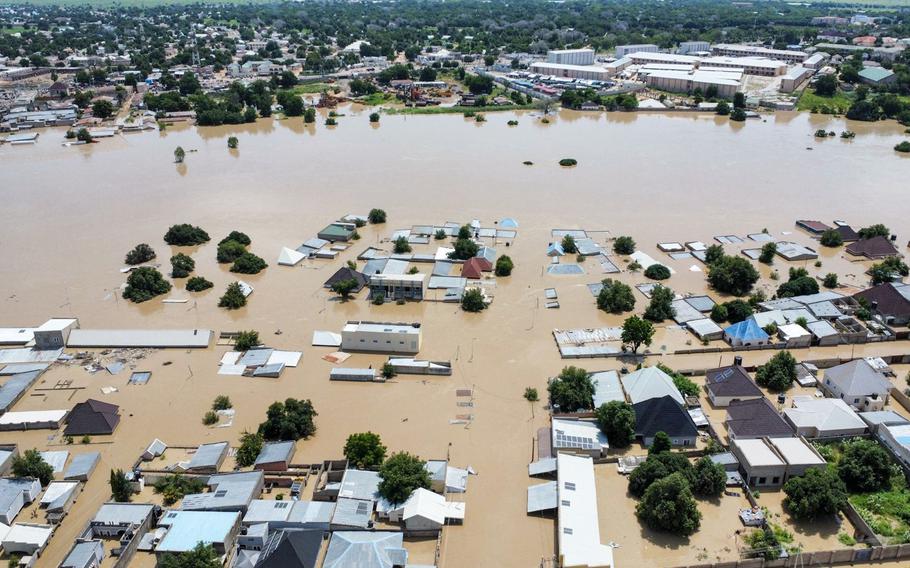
x,y
668,506
140,253
572,390
709,478
289,420
400,475
777,374
250,446
364,450
637,332
185,235
202,556
31,464
817,493
616,419
144,283
615,297
732,275
865,466
661,306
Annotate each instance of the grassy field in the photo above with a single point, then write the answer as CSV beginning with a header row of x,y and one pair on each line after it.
x,y
841,101
311,88
886,511
457,109
376,99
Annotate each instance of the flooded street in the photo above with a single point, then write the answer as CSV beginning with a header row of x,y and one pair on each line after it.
x,y
71,214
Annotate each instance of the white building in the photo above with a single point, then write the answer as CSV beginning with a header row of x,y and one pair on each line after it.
x,y
727,83
578,530
736,50
693,47
896,437
26,538
650,382
643,57
823,418
381,337
588,72
571,56
794,78
817,60
748,65
578,437
623,50
769,462
426,512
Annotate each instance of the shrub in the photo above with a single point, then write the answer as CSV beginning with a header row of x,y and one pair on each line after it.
x,y
738,114
344,288
568,162
778,373
374,117
616,419
400,475
818,492
903,147
732,275
376,216
473,301
232,142
830,280
709,478
121,489
401,245
182,265
141,253
624,245
210,418
185,235
145,283
768,250
198,284
865,467
572,390
237,237
31,464
229,251
250,446
504,266
831,238
531,394
233,297
174,487
289,420
364,450
248,263
615,297
657,272
330,121
246,340
440,235
568,244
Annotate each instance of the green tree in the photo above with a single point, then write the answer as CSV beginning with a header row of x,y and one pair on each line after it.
x,y
376,216
738,115
831,238
140,253
713,253
472,300
616,419
202,556
174,487
102,108
661,306
374,118
658,466
739,100
799,284
819,492
210,418
778,373
250,447
179,154
400,475
877,230
121,488
887,270
388,371
615,297
572,390
768,250
624,245
723,108
31,464
364,450
657,272
222,402
289,420
233,297
709,478
249,263
826,85
732,275
464,249
683,384
232,142
865,467
504,266
668,506
309,115
737,310
401,245
198,284
660,444
830,280
531,394
344,288
637,332
229,251
182,265
83,135
185,235
568,244
144,283
246,340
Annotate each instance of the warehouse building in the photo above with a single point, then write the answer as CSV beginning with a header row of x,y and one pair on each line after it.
x,y
817,60
587,72
623,50
644,57
571,56
727,83
693,47
748,65
381,337
794,78
736,50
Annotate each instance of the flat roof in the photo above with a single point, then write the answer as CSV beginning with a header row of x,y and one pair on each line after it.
x,y
578,526
757,454
30,416
567,67
796,451
188,528
139,338
379,327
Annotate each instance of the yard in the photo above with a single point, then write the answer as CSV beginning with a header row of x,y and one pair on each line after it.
x,y
838,103
887,512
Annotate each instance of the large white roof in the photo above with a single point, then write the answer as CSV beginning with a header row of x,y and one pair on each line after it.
x,y
579,528
757,454
796,451
825,414
30,416
650,382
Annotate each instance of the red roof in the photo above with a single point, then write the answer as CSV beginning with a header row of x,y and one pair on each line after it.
x,y
874,248
813,226
473,268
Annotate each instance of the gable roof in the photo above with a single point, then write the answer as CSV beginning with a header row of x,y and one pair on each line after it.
x,y
473,268
732,380
747,330
347,273
892,299
291,549
876,247
858,378
847,234
756,418
92,417
363,549
648,383
824,414
663,415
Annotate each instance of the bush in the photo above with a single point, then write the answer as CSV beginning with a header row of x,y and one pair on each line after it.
x,y
185,235
778,374
249,263
615,297
709,478
738,114
657,272
464,249
668,506
568,162
831,238
768,250
229,251
799,284
250,446
376,216
737,310
865,467
374,117
903,147
661,306
440,235
344,288
233,142
182,265
531,394
364,450
233,297
401,245
210,418
818,492
682,382
723,108
121,489
473,301
660,444
141,253
877,230
624,245
616,419
504,266
572,390
830,280
237,237
31,464
246,340
144,283
568,244
886,270
174,487
290,420
198,284
222,402
330,121
400,475
732,275
719,313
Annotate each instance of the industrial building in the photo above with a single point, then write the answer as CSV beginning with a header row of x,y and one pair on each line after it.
x,y
727,83
794,78
394,287
817,60
686,47
736,50
587,72
623,50
381,337
748,65
571,56
643,57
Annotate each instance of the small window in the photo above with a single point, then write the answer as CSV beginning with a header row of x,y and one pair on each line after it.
x,y
775,480
762,480
569,485
566,503
566,530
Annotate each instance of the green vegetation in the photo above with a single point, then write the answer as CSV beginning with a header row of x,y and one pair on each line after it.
x,y
388,371
310,88
710,479
682,382
733,311
637,332
179,155
568,162
174,487
568,244
661,306
374,118
250,446
877,230
141,253
616,419
887,270
865,467
503,266
330,121
571,390
531,394
830,280
838,103
344,288
376,216
778,373
289,420
222,402
198,284
232,142
144,283
615,297
818,493
185,235
668,506
30,464
182,265
799,284
732,275
401,245
233,297
657,272
210,418
400,475
903,147
202,555
364,450
121,488
457,109
249,263
768,250
473,301
831,238
229,251
624,245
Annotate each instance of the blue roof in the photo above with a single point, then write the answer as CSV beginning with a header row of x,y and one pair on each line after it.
x,y
746,330
509,223
187,528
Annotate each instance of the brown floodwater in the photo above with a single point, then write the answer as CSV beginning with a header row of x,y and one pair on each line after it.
x,y
70,214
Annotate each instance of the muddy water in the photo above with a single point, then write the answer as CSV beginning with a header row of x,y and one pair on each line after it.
x,y
72,213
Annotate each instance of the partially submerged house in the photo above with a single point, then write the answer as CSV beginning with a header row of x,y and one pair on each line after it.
x,y
394,287
729,384
84,554
338,231
857,383
186,529
16,493
347,273
381,337
875,248
92,418
275,456
578,437
770,462
666,415
291,549
890,300
426,512
823,418
746,333
227,492
208,458
755,418
366,550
